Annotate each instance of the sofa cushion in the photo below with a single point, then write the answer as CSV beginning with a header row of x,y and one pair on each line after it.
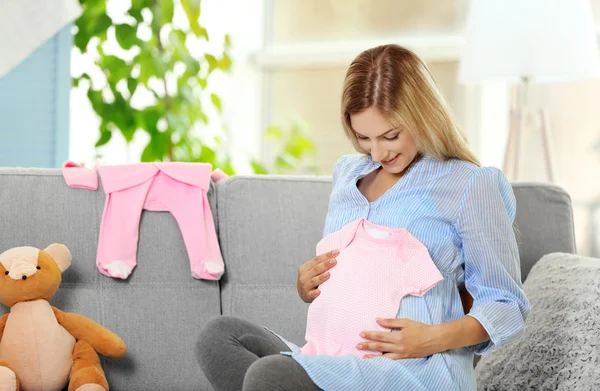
x,y
559,349
268,226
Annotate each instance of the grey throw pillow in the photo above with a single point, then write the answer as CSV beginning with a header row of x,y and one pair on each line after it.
x,y
560,349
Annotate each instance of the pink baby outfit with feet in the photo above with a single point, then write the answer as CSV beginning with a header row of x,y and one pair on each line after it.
x,y
376,267
180,188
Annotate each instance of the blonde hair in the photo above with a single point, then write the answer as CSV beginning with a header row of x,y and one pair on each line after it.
x,y
395,81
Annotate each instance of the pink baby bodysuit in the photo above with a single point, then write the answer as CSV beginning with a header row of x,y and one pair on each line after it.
x,y
376,267
180,188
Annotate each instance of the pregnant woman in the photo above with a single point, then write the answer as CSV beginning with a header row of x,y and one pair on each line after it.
x,y
414,194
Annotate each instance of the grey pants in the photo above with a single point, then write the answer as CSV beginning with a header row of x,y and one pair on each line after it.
x,y
235,354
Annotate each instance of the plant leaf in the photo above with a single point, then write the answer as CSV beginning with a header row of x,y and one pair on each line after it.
x,y
100,25
212,62
148,155
273,132
132,85
105,136
216,101
192,11
258,167
117,67
141,4
225,63
166,11
126,36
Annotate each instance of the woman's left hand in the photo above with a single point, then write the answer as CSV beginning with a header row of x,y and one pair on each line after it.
x,y
412,340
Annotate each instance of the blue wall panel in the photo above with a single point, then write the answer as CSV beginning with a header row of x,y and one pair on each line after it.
x,y
34,107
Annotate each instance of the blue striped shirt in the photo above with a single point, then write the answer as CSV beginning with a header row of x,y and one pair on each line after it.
x,y
463,214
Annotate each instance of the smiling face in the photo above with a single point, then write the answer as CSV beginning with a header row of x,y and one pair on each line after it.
x,y
393,147
387,86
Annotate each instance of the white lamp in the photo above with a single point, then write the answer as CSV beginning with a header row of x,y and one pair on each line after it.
x,y
523,41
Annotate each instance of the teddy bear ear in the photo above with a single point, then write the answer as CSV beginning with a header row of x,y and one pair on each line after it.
x,y
61,255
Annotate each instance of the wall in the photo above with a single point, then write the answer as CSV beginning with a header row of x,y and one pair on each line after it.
x,y
34,107
575,126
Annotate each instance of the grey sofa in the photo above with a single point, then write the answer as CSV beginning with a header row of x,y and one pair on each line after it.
x,y
267,227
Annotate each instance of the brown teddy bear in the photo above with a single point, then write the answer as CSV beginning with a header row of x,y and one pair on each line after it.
x,y
41,347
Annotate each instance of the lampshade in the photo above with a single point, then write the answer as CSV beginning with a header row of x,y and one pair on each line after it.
x,y
546,40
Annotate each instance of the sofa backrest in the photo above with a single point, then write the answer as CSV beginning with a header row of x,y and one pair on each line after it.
x,y
267,226
158,311
544,222
270,225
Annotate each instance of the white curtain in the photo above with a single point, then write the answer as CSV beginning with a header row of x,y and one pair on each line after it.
x,y
27,24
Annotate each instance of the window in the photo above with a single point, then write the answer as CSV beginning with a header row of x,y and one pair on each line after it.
x,y
299,57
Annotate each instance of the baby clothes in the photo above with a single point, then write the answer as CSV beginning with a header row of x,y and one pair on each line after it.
x,y
78,176
377,266
180,188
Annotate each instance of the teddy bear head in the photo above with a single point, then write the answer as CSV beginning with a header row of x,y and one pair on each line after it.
x,y
28,273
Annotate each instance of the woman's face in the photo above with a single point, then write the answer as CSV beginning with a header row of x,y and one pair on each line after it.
x,y
394,148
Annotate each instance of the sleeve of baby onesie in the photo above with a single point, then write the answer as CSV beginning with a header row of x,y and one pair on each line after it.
x,y
420,273
329,243
491,258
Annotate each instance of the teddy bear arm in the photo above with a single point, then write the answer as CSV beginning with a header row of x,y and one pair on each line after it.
x,y
3,320
100,338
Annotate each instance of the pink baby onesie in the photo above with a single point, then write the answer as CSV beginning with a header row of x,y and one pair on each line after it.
x,y
377,266
180,188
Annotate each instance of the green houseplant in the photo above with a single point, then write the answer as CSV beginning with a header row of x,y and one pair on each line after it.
x,y
157,62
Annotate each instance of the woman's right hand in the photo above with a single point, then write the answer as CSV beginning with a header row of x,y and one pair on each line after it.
x,y
313,273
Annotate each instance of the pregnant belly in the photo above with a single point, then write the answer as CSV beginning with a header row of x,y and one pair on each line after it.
x,y
346,306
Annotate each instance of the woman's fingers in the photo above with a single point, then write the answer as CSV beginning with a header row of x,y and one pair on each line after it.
x,y
319,273
319,259
314,293
323,266
313,273
317,265
318,280
393,356
384,347
380,336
